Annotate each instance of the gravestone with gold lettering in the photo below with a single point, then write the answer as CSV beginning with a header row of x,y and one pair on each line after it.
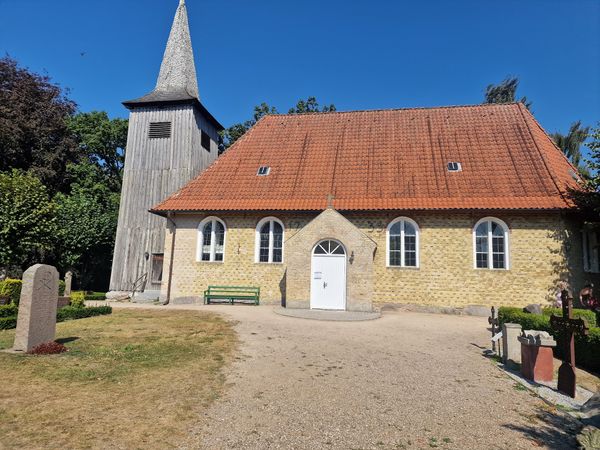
x,y
36,322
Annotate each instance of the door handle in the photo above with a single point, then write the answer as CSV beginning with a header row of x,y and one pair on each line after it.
x,y
324,284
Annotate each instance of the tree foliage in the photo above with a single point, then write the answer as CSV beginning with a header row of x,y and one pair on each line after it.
x,y
236,131
588,197
571,143
60,178
310,105
27,220
86,218
34,135
505,92
103,141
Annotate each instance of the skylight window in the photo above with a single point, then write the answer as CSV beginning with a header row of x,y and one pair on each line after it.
x,y
263,171
454,167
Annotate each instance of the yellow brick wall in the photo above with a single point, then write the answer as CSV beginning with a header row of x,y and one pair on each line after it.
x,y
446,276
191,278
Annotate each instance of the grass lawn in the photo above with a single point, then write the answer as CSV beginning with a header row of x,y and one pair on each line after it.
x,y
133,379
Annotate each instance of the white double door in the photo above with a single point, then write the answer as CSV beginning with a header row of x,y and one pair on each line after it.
x,y
328,281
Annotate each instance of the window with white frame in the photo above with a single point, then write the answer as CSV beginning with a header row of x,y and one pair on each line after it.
x,y
490,242
211,240
403,243
269,240
591,250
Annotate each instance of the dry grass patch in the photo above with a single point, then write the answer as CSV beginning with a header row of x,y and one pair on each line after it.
x,y
134,379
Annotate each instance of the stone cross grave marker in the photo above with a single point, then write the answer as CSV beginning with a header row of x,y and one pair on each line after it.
x,y
567,327
68,282
36,322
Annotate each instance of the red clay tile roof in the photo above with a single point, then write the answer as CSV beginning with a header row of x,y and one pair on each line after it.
x,y
387,159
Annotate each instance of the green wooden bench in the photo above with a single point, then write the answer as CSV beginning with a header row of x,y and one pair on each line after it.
x,y
231,293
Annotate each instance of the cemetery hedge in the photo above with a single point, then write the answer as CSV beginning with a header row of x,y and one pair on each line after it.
x,y
8,314
587,349
8,310
72,313
8,323
587,314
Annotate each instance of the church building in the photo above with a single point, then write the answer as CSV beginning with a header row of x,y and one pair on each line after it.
x,y
451,206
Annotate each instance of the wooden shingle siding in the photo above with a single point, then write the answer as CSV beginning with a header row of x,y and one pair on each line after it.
x,y
155,169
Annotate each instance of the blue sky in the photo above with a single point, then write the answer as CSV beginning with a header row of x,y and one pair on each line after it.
x,y
356,54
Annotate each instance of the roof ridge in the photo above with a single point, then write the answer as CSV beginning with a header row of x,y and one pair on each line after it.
x,y
535,121
522,109
413,108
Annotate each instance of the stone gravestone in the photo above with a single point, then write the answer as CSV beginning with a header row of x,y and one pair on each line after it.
x,y
511,347
68,282
36,322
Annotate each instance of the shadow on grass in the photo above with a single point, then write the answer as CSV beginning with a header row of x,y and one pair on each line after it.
x,y
67,339
549,429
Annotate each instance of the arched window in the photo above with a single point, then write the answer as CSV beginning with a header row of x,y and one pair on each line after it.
x,y
490,242
269,240
403,243
211,240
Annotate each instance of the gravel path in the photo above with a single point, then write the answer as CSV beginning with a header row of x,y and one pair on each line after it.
x,y
407,380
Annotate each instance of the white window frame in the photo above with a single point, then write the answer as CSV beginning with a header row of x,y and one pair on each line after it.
x,y
490,253
589,264
260,224
213,239
402,243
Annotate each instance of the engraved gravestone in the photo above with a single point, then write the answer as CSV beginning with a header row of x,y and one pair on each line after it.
x,y
36,322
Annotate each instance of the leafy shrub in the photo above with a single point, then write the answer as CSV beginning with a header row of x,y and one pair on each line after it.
x,y
8,310
8,323
77,299
12,288
587,348
61,288
48,348
72,313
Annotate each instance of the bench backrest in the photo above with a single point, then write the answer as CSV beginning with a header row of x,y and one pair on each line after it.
x,y
234,289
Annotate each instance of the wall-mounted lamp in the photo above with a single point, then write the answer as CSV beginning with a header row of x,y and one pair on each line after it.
x,y
146,255
352,257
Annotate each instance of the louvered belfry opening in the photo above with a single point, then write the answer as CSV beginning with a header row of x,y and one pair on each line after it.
x,y
159,130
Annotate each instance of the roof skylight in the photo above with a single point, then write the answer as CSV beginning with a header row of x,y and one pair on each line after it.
x,y
263,171
454,167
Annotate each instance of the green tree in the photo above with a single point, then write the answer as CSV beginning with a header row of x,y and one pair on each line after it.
x,y
593,161
236,131
310,105
587,197
505,92
571,143
33,125
103,141
87,223
27,220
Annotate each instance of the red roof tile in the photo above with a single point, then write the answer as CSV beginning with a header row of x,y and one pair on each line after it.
x,y
387,159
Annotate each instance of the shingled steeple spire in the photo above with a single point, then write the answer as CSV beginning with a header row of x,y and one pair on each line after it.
x,y
178,72
177,78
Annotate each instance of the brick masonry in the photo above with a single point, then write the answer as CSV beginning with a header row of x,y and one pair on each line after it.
x,y
544,248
